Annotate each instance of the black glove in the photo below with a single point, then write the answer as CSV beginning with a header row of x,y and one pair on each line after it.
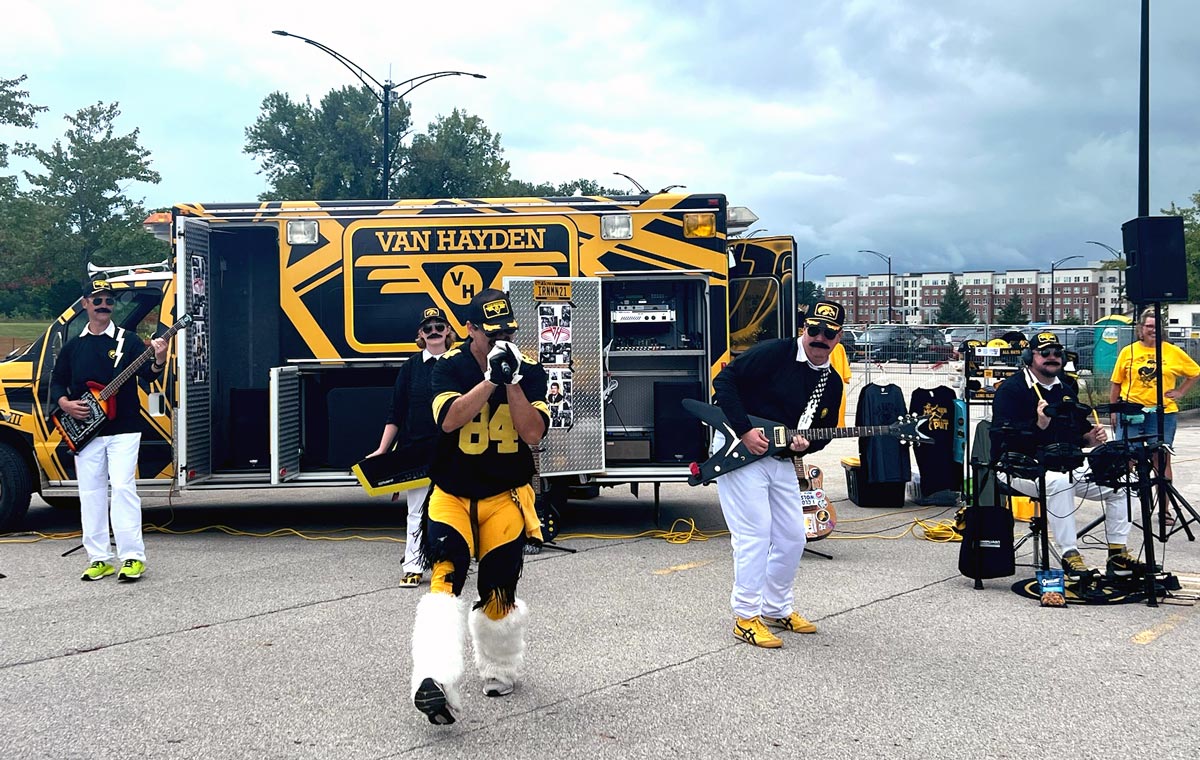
x,y
504,364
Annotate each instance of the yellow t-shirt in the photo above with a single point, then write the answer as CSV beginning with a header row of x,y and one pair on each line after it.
x,y
1135,373
841,365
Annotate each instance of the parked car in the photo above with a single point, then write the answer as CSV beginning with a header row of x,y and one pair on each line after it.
x,y
904,343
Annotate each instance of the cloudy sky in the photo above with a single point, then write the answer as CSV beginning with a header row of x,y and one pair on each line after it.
x,y
946,133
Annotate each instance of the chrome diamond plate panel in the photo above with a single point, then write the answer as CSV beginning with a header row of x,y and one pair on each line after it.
x,y
565,336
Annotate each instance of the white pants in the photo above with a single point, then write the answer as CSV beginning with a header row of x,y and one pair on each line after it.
x,y
110,459
416,500
761,504
1060,506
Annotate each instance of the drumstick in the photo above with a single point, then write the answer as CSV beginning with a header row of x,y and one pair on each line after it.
x,y
1095,417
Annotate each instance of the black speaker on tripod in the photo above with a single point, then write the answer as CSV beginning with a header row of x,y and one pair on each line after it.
x,y
1155,258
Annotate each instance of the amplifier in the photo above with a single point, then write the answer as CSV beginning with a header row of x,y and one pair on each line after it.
x,y
625,317
627,450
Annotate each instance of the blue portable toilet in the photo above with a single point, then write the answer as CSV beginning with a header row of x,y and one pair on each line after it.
x,y
1113,333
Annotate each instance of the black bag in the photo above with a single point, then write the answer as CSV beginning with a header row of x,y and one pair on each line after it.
x,y
987,545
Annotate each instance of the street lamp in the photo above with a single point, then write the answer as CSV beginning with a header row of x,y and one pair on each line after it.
x,y
804,269
1118,255
1053,266
891,288
385,99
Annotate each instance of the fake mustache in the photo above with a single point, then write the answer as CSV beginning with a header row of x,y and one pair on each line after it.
x,y
818,344
103,311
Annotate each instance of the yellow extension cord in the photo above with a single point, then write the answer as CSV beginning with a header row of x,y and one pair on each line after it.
x,y
942,531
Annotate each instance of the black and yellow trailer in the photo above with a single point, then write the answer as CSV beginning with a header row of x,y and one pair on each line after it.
x,y
304,310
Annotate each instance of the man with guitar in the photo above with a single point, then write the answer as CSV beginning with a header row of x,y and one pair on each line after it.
x,y
490,403
784,379
97,355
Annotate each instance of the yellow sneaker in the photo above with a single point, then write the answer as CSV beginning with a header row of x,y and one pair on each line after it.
x,y
753,631
793,622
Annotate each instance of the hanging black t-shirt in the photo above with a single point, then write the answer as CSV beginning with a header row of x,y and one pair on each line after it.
x,y
883,458
935,459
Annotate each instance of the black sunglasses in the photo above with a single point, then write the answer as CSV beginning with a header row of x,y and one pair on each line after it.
x,y
815,330
1048,352
105,301
502,334
433,327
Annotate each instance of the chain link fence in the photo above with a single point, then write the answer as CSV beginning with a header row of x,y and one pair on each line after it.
x,y
925,356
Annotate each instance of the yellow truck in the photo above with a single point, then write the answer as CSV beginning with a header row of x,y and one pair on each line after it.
x,y
303,310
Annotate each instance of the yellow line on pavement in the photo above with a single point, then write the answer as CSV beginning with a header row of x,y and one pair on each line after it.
x,y
1150,634
680,568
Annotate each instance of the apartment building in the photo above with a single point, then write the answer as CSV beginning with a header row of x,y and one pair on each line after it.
x,y
1084,293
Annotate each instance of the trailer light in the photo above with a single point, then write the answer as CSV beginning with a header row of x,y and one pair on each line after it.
x,y
700,225
302,232
616,227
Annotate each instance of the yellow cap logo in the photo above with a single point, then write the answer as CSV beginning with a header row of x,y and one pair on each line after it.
x,y
495,308
825,310
431,312
1047,337
100,285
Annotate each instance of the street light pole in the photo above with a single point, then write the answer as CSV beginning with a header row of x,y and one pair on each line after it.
x,y
384,99
891,287
804,269
1118,255
1053,266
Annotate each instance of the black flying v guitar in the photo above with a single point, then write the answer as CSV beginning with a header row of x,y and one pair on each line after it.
x,y
734,454
101,399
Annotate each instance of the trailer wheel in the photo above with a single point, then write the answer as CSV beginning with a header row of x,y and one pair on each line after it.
x,y
15,488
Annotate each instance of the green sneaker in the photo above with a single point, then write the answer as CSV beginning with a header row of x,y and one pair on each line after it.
x,y
131,570
97,570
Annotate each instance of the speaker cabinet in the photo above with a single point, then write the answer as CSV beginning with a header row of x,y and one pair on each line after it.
x,y
356,415
1156,261
678,436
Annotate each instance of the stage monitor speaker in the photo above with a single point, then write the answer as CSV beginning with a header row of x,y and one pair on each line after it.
x,y
1156,260
678,436
355,416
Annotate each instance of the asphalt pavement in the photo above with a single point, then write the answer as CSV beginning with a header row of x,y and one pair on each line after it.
x,y
297,646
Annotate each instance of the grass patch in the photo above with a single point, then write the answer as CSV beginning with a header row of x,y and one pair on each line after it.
x,y
23,330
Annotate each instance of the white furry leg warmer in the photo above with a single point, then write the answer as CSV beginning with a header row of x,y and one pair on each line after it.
x,y
499,648
437,645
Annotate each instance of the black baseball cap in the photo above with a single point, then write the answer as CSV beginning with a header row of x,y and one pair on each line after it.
x,y
1045,339
96,287
431,314
491,312
829,313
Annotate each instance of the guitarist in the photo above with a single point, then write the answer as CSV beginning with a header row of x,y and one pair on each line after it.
x,y
784,379
98,354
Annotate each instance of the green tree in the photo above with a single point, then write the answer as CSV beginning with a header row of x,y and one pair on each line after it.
x,y
954,309
77,210
17,112
1012,313
334,152
329,152
458,158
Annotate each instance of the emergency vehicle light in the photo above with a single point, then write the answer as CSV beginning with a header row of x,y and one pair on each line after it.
x,y
616,227
740,218
301,232
700,225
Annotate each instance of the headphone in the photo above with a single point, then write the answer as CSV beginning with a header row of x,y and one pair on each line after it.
x,y
1027,356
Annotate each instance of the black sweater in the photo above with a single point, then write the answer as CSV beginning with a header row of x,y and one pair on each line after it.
x,y
767,381
92,357
1015,410
412,403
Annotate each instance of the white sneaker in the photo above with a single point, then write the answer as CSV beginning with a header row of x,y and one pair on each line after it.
x,y
497,687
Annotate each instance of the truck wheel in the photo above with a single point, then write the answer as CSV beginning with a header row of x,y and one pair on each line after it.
x,y
66,503
15,488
